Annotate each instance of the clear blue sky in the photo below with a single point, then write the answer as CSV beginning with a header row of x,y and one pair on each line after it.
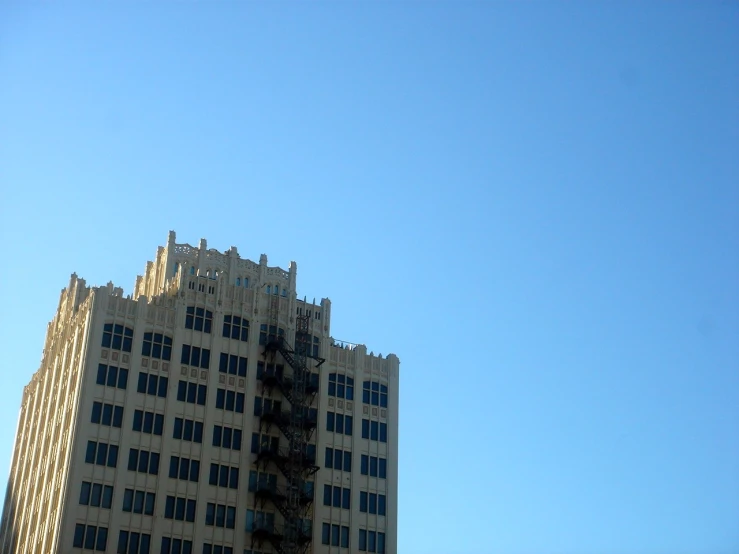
x,y
534,204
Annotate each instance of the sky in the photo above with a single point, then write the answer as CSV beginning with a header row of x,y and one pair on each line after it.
x,y
535,205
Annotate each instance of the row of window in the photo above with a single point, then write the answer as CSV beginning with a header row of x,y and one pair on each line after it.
x,y
112,376
230,401
153,385
139,502
338,459
143,461
95,494
374,393
107,414
372,503
335,535
374,430
233,365
192,393
339,423
374,466
90,537
148,422
117,337
95,538
195,356
188,430
340,386
180,509
337,497
101,454
220,515
236,327
198,319
371,541
227,437
157,345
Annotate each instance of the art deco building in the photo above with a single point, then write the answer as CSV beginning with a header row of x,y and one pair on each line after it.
x,y
210,412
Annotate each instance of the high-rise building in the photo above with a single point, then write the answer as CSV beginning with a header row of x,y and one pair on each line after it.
x,y
210,412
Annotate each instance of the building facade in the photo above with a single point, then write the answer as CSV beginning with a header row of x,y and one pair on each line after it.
x,y
210,412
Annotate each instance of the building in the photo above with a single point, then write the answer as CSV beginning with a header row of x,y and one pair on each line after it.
x,y
212,412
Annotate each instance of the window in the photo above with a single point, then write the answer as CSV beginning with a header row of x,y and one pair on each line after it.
x,y
153,385
372,503
335,535
374,393
148,422
264,442
209,548
188,430
262,481
192,393
220,515
107,414
157,345
235,327
338,459
233,365
374,467
181,509
267,406
184,469
371,541
339,423
307,344
374,431
199,319
90,537
131,542
117,337
143,461
363,540
224,476
95,494
101,454
230,401
226,437
270,334
139,502
111,376
175,546
259,520
195,356
337,497
340,386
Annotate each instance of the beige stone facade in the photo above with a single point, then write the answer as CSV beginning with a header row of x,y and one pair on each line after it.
x,y
139,431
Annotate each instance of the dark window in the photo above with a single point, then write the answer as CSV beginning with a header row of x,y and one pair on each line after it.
x,y
363,502
326,534
153,385
117,337
329,462
90,537
341,386
346,499
148,422
224,476
102,454
157,345
383,468
344,537
192,393
130,542
184,469
373,430
383,432
362,540
373,466
195,356
270,333
335,529
230,401
175,546
181,509
111,376
365,428
235,327
143,461
233,365
198,319
381,505
330,421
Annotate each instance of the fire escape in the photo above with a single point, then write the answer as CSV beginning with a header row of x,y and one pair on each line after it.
x,y
297,462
